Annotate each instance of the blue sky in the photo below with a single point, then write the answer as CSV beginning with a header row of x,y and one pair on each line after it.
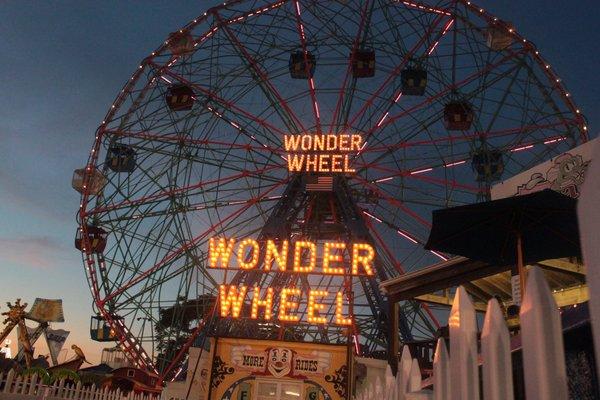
x,y
63,62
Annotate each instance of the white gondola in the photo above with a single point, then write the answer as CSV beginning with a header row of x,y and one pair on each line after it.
x,y
95,182
499,37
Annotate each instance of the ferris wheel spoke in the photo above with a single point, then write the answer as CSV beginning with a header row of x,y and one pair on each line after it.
x,y
175,252
273,150
337,114
398,266
438,95
392,173
160,137
147,290
452,139
310,79
198,206
393,201
262,79
394,73
418,5
212,96
182,190
412,238
157,239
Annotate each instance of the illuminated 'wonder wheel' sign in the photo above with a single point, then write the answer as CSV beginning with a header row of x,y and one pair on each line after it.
x,y
340,122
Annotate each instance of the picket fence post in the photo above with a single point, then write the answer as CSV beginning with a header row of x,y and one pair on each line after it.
x,y
22,387
92,392
589,219
9,380
390,384
33,385
441,372
463,348
85,391
403,374
541,332
414,380
496,355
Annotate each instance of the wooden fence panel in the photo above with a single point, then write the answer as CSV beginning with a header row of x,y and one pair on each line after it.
x,y
463,348
543,349
441,371
496,356
589,220
404,367
9,380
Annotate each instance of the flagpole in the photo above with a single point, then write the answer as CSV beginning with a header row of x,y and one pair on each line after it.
x,y
520,266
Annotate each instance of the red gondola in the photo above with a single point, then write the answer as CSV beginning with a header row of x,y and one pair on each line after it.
x,y
180,42
488,164
121,158
363,63
414,81
180,98
458,116
298,67
96,239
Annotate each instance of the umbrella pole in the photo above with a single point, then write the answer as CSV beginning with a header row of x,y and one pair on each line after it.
x,y
520,266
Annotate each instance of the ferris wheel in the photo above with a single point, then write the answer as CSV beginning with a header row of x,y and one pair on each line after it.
x,y
447,99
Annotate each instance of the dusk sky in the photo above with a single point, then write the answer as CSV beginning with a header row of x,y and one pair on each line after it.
x,y
63,62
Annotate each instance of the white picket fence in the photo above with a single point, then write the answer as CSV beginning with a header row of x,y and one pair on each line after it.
x,y
456,377
17,387
406,385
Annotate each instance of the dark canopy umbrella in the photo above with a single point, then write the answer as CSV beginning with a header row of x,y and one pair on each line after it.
x,y
545,221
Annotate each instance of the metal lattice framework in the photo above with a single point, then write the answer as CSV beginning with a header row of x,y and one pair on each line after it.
x,y
218,168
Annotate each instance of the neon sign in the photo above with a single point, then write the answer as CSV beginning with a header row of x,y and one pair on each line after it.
x,y
321,153
299,257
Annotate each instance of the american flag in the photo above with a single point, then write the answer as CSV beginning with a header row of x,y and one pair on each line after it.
x,y
317,183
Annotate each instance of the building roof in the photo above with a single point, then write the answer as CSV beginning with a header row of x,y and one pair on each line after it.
x,y
97,369
483,281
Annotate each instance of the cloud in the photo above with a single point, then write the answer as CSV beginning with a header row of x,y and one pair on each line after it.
x,y
41,252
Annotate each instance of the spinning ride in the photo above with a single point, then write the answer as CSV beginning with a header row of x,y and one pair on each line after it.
x,y
446,99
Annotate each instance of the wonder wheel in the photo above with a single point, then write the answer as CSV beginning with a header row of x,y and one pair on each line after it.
x,y
445,99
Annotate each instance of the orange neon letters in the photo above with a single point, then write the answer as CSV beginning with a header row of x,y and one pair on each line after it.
x,y
231,298
304,260
220,249
321,153
286,305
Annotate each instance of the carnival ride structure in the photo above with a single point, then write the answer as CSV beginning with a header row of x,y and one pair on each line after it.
x,y
447,99
42,312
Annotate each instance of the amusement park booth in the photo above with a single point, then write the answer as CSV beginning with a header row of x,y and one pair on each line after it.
x,y
251,369
247,369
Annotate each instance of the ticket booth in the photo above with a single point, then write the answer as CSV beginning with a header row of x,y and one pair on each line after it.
x,y
247,369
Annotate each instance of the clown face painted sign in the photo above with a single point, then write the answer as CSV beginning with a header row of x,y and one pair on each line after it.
x,y
280,362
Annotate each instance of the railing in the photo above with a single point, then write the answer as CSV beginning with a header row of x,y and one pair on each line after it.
x,y
456,377
17,387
